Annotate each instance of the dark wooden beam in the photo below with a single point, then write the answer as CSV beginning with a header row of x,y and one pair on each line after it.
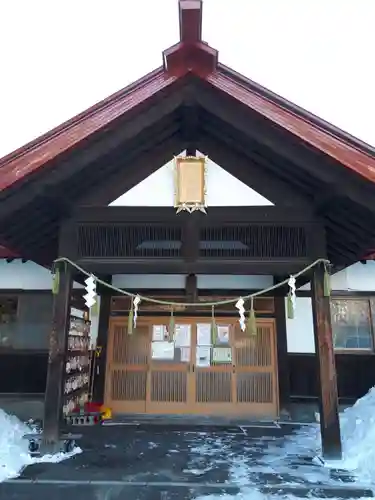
x,y
165,104
203,266
246,170
54,394
191,290
325,357
133,170
271,163
300,155
190,124
190,236
215,215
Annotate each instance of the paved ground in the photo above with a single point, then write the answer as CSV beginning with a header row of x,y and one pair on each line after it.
x,y
148,463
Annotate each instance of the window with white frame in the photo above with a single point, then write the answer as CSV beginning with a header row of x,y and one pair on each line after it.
x,y
353,323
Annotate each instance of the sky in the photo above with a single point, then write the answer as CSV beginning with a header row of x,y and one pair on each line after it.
x,y
58,58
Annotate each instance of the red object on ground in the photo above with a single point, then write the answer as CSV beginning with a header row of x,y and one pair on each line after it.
x,y
88,408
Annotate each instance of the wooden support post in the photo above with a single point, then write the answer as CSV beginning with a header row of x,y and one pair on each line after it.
x,y
56,362
328,398
191,291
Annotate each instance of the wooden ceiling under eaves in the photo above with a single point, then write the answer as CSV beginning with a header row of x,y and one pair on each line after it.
x,y
287,155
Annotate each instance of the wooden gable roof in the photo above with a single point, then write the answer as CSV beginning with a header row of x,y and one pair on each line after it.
x,y
192,100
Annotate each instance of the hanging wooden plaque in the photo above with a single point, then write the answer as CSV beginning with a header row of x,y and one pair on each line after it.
x,y
190,184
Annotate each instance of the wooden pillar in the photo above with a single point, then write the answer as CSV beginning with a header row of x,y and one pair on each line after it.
x,y
325,357
56,361
102,342
191,291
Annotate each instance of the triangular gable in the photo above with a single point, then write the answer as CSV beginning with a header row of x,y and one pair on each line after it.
x,y
223,189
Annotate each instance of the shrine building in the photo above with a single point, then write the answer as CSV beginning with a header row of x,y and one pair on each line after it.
x,y
193,187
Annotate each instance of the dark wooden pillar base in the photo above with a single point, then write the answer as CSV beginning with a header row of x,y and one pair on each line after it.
x,y
328,397
53,402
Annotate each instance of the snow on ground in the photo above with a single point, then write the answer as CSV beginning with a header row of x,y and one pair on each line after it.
x,y
358,439
14,455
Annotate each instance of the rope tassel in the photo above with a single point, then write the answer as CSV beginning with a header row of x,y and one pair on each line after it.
x,y
290,307
171,327
213,327
55,280
131,320
252,321
326,283
94,310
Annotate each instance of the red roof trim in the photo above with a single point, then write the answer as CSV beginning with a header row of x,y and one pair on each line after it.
x,y
37,153
190,15
297,110
358,161
5,253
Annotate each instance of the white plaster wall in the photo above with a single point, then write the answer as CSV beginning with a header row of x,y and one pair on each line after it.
x,y
300,332
28,276
358,277
204,282
223,189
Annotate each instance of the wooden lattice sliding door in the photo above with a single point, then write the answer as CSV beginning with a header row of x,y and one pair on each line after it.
x,y
236,375
171,369
255,368
242,377
127,368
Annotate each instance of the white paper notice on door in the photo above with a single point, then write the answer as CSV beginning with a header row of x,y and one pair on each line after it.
x,y
185,354
203,356
222,355
182,335
159,332
162,350
204,334
223,334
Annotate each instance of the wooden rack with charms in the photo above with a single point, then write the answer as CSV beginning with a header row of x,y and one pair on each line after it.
x,y
77,364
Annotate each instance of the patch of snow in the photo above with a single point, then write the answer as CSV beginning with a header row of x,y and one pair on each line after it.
x,y
252,494
14,454
358,438
357,424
